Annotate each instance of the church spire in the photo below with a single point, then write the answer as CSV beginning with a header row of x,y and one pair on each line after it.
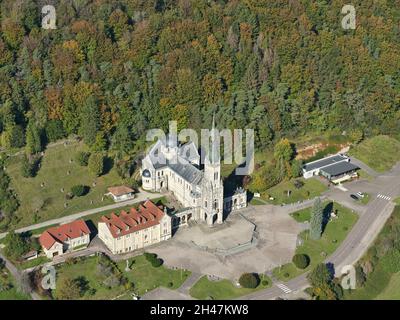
x,y
214,156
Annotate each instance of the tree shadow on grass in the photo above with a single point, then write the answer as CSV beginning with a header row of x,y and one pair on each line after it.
x,y
108,165
326,215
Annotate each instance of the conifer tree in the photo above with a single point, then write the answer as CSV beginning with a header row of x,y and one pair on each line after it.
x,y
316,220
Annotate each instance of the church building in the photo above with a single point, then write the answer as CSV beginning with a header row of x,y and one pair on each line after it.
x,y
170,166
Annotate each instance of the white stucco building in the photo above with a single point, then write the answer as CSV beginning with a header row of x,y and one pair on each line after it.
x,y
67,237
135,229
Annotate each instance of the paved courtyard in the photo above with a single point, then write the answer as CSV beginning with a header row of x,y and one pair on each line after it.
x,y
276,242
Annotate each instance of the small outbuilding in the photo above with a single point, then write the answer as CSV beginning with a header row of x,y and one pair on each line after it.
x,y
121,193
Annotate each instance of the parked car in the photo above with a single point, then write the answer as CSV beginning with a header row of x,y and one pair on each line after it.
x,y
360,194
354,197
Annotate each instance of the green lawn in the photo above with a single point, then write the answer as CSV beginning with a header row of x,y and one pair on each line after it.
x,y
145,277
377,283
302,215
222,290
366,199
311,189
335,232
381,284
33,263
397,201
364,175
381,153
142,274
13,293
392,291
256,202
49,200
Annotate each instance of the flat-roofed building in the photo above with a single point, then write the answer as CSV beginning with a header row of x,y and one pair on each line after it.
x,y
336,168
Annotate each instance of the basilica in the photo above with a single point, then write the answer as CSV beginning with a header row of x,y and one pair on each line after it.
x,y
176,168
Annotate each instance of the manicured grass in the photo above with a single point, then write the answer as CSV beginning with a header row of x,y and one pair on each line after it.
x,y
256,202
363,175
87,268
392,291
397,201
142,275
377,281
366,199
13,293
34,262
145,277
380,284
311,189
205,289
335,232
49,200
380,153
302,215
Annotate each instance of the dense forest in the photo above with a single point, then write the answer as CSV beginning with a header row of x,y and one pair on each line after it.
x,y
113,69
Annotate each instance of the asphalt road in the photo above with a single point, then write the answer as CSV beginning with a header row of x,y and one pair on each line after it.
x,y
17,275
357,242
139,197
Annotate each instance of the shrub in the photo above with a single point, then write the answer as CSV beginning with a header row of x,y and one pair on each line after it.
x,y
30,166
150,256
265,283
83,158
301,261
96,164
79,190
249,280
170,284
54,130
157,262
298,184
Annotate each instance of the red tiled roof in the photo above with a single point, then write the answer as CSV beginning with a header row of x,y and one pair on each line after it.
x,y
119,191
125,223
60,234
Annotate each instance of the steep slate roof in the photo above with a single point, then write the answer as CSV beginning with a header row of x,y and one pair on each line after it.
x,y
187,171
125,223
75,229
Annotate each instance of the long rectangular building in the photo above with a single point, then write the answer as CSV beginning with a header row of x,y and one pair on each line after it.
x,y
135,229
336,168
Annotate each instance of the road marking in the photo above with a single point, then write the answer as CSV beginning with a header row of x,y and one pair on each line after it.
x,y
284,288
340,187
381,196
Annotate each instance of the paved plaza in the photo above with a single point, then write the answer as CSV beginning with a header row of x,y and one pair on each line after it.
x,y
199,249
